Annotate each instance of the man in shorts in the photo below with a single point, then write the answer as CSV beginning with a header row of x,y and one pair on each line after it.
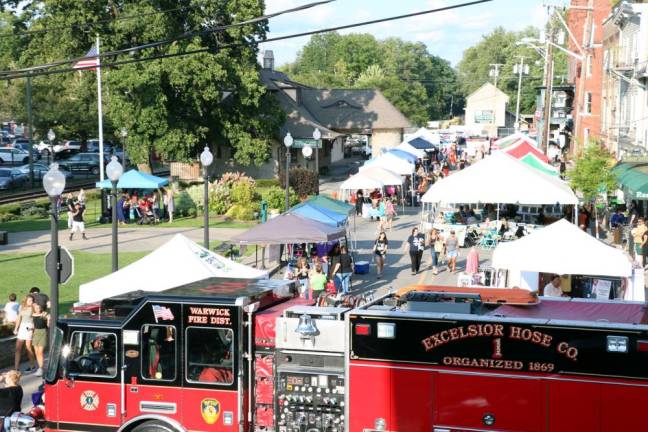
x,y
78,223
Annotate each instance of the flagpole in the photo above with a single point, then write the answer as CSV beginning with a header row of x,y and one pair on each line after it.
x,y
99,110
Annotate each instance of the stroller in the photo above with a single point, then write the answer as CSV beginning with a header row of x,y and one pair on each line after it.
x,y
146,217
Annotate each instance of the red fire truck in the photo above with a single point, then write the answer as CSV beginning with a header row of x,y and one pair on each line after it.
x,y
237,355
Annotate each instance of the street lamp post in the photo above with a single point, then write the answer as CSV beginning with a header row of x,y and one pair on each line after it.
x,y
288,142
307,152
114,171
124,134
54,184
50,154
206,159
317,135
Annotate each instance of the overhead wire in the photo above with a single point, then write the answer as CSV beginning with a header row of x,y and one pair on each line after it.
x,y
36,70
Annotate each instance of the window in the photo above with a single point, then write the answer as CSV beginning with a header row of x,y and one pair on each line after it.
x,y
93,353
589,66
209,355
158,352
586,133
54,356
588,103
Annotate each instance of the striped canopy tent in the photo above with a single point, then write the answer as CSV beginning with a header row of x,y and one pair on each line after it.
x,y
508,140
534,162
522,148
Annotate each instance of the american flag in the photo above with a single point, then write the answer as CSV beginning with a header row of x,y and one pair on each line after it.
x,y
90,59
163,313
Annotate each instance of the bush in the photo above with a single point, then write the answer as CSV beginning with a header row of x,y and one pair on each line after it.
x,y
267,183
304,182
243,192
196,193
276,198
10,209
229,179
184,205
241,212
219,199
6,217
34,211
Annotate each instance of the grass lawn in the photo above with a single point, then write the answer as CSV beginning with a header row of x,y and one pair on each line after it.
x,y
20,272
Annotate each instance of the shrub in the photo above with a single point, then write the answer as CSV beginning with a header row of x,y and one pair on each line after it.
x,y
304,182
241,212
243,192
33,211
219,199
229,179
6,217
184,205
267,183
11,209
276,198
196,193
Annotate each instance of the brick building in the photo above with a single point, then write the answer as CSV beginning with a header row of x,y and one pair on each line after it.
x,y
585,21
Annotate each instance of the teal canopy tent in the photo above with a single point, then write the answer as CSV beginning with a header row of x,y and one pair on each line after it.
x,y
134,179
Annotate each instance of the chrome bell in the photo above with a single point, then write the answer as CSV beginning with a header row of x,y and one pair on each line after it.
x,y
306,327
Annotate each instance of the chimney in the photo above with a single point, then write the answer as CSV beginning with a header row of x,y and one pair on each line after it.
x,y
268,60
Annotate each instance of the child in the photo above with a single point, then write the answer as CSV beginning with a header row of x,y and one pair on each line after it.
x,y
11,309
317,282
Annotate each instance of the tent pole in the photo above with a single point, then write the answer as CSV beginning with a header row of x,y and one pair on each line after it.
x,y
576,215
497,223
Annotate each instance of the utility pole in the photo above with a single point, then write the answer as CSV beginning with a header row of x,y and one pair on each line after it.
x,y
546,117
521,69
494,72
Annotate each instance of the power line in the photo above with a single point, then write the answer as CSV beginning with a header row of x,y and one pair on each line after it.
x,y
99,22
187,35
31,71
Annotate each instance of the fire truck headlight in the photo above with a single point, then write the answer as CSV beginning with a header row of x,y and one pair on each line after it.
x,y
380,424
617,344
386,330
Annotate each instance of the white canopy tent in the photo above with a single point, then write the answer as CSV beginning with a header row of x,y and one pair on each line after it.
x,y
426,134
361,181
387,177
177,262
500,179
392,163
409,148
562,248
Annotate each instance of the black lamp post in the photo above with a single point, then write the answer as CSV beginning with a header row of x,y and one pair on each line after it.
x,y
54,184
114,171
288,142
206,159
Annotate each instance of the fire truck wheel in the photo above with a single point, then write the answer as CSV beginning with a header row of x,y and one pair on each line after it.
x,y
153,426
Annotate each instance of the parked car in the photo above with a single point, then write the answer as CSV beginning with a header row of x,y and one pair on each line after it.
x,y
40,169
11,178
83,162
92,146
22,146
13,156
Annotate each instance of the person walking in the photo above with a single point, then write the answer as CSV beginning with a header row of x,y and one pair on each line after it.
x,y
78,223
359,202
24,330
390,212
415,244
451,247
380,252
69,204
302,275
39,339
120,209
343,270
436,249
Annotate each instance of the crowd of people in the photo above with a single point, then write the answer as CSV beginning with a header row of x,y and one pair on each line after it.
x,y
146,208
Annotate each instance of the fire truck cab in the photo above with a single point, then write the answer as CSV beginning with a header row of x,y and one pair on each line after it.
x,y
170,361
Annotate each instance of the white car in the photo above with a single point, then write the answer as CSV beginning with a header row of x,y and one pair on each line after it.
x,y
13,156
58,148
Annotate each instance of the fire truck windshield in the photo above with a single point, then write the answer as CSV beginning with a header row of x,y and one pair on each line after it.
x,y
93,353
54,356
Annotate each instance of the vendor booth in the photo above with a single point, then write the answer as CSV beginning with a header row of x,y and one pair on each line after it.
x,y
392,163
321,214
177,262
403,155
331,204
595,269
287,229
409,148
421,143
522,148
134,179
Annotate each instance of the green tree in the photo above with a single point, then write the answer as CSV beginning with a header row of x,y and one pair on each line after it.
x,y
505,48
173,106
592,172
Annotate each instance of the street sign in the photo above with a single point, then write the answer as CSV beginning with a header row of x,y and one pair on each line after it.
x,y
66,269
299,143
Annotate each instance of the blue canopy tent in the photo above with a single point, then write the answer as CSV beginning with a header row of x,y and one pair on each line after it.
x,y
134,179
319,214
403,155
421,144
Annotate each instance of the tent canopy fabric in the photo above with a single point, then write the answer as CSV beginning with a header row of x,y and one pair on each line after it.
x,y
562,248
536,163
392,163
134,179
421,143
432,137
501,179
403,155
409,148
332,204
320,214
177,262
387,177
523,148
361,181
289,228
508,140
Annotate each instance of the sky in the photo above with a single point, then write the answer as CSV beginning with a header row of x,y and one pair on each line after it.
x,y
447,34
